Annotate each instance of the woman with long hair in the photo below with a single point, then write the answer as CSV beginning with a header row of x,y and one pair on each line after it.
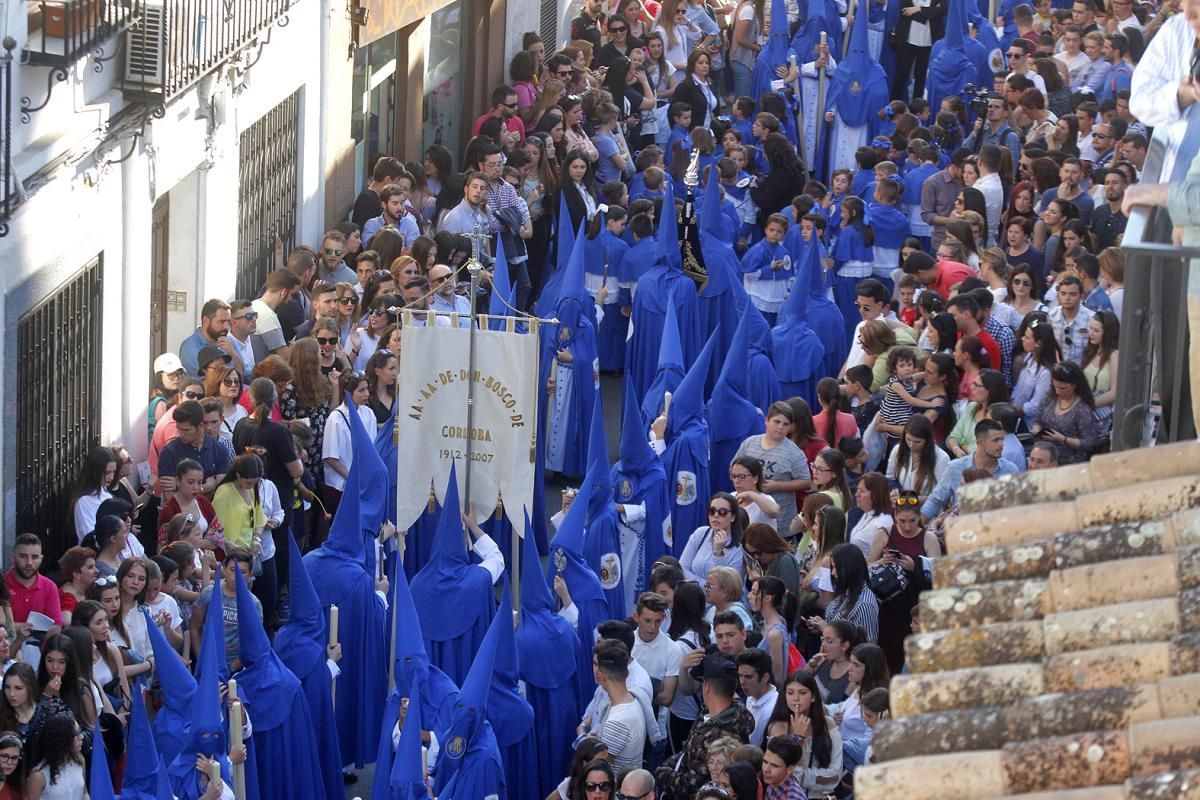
x,y
986,388
800,711
332,358
437,166
904,544
12,773
784,464
90,489
1100,357
942,331
1068,416
225,383
917,464
423,254
589,750
828,533
767,554
960,231
59,774
58,677
831,665
553,90
804,432
832,423
853,599
775,604
346,316
1023,292
1020,203
1047,234
189,499
577,188
698,89
132,578
108,666
574,135
598,783
382,371
829,477
719,543
337,448
1064,137
872,497
109,540
20,703
308,396
1020,251
690,630
868,671
1039,353
777,188
164,393
970,358
659,71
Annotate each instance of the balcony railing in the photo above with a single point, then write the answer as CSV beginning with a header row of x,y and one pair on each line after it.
x,y
178,42
1153,403
61,31
9,196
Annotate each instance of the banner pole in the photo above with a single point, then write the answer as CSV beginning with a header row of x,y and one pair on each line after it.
x,y
474,268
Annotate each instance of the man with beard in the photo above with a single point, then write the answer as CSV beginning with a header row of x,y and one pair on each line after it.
x,y
416,294
470,216
445,300
213,330
1108,221
29,590
1071,175
248,349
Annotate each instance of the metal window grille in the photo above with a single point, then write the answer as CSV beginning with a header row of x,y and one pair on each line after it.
x,y
548,29
267,197
58,403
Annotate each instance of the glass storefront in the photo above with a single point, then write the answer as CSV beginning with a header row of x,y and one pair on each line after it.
x,y
373,124
441,115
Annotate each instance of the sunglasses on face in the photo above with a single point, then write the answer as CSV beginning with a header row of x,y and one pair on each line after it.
x,y
326,341
249,316
1022,282
329,251
346,301
377,312
603,786
718,512
231,382
193,395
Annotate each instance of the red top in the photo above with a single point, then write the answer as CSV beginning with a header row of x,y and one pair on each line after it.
x,y
172,508
41,597
845,426
909,316
67,602
990,347
949,274
513,123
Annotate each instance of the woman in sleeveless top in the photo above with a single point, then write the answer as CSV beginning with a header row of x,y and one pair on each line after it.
x,y
769,598
904,544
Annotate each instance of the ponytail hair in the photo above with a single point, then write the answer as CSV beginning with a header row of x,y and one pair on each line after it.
x,y
263,396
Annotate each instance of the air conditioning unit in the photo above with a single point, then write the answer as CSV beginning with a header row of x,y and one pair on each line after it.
x,y
145,48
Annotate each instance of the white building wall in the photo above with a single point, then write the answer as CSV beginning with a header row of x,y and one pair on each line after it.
x,y
87,207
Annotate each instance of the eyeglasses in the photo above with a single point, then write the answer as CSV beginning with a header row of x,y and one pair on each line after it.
x,y
821,469
602,786
508,105
193,395
908,501
719,512
231,382
6,759
346,301
108,580
1022,282
249,316
740,476
752,553
326,340
440,279
617,29
329,251
634,796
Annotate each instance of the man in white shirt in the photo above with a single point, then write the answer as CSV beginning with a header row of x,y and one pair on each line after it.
x,y
280,285
873,301
243,324
992,189
1020,61
445,299
754,676
624,729
1072,53
1163,89
658,654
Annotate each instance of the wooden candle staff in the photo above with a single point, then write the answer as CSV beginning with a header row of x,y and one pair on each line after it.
x,y
235,741
333,639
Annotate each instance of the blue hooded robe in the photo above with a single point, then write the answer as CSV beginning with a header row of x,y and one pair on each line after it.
x,y
602,266
686,459
824,317
564,245
775,54
665,284
670,370
569,407
801,353
891,228
300,645
511,714
406,778
99,778
453,596
731,416
470,743
285,743
602,545
546,646
141,756
587,595
857,90
762,379
174,717
950,69
340,578
638,480
723,298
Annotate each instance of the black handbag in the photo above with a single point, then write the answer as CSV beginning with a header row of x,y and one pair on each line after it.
x,y
887,581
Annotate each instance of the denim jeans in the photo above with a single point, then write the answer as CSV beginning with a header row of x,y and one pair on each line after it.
x,y
743,78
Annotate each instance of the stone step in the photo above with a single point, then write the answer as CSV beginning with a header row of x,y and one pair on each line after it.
x,y
1181,785
1053,763
1038,558
1016,525
1037,717
1108,471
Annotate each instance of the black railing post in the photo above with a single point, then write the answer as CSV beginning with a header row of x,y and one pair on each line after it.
x,y
8,189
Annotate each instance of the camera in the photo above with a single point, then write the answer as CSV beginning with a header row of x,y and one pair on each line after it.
x,y
976,99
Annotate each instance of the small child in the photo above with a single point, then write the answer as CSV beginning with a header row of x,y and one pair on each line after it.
x,y
611,164
161,581
681,123
767,270
890,225
638,258
895,410
227,589
743,118
191,579
857,388
839,188
909,313
649,156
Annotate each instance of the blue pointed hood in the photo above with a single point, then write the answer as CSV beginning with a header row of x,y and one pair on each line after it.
x,y
668,254
364,500
407,778
548,299
594,251
503,295
470,710
207,734
510,713
141,759
449,573
574,300
817,17
950,70
100,783
412,661
670,367
859,86
544,639
566,550
687,404
163,786
799,347
178,685
598,457
774,53
300,643
385,446
270,685
731,415
710,210
636,454
760,333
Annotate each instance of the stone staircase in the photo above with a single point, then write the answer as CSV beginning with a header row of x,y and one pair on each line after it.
x,y
1059,657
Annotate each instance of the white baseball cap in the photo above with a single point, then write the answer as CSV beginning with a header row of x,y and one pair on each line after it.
x,y
168,363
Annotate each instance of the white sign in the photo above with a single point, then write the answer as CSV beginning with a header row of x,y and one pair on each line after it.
x,y
432,417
